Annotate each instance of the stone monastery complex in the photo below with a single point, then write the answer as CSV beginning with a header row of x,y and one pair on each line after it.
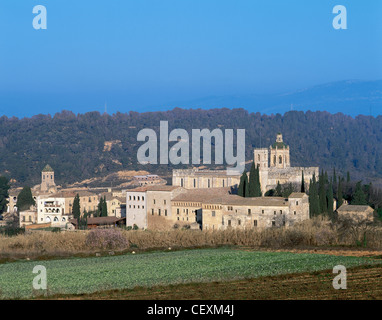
x,y
197,199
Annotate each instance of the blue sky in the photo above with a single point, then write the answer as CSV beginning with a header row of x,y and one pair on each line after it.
x,y
141,54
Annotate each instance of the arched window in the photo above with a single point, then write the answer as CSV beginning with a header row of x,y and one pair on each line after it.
x,y
274,159
47,219
280,159
55,219
258,157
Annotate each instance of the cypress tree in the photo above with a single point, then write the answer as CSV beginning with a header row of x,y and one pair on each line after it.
x,y
104,207
278,190
254,182
330,201
76,210
302,183
314,205
359,197
340,199
287,190
243,186
322,195
99,207
334,177
4,188
25,199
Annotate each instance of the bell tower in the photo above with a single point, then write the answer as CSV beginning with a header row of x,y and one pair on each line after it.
x,y
279,152
47,178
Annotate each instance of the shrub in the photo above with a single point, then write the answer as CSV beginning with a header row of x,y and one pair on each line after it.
x,y
106,239
11,231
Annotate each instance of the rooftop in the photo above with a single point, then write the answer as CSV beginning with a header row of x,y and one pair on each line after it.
x,y
47,168
297,195
236,200
353,208
201,195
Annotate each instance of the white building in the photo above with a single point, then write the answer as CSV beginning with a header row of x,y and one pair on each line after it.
x,y
52,210
136,206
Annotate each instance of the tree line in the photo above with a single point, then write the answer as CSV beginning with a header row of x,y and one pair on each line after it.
x,y
74,144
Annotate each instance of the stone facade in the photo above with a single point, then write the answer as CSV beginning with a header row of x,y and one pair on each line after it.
x,y
159,210
233,211
150,206
47,180
275,167
356,212
274,164
203,179
187,207
27,218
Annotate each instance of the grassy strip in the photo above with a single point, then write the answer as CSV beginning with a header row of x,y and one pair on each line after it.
x,y
364,283
87,275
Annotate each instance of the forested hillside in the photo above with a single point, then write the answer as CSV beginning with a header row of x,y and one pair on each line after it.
x,y
86,145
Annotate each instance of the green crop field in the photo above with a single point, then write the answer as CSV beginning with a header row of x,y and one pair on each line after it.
x,y
87,275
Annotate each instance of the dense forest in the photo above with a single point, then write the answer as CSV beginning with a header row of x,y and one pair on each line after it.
x,y
74,145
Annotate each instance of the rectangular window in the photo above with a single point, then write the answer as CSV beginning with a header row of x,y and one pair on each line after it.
x,y
273,223
294,212
164,201
152,211
177,211
165,212
249,211
239,222
213,213
255,223
159,212
229,223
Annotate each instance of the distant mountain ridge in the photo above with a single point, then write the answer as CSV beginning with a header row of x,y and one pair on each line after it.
x,y
351,97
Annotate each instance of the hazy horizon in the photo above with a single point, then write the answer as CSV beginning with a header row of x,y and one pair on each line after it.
x,y
151,55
